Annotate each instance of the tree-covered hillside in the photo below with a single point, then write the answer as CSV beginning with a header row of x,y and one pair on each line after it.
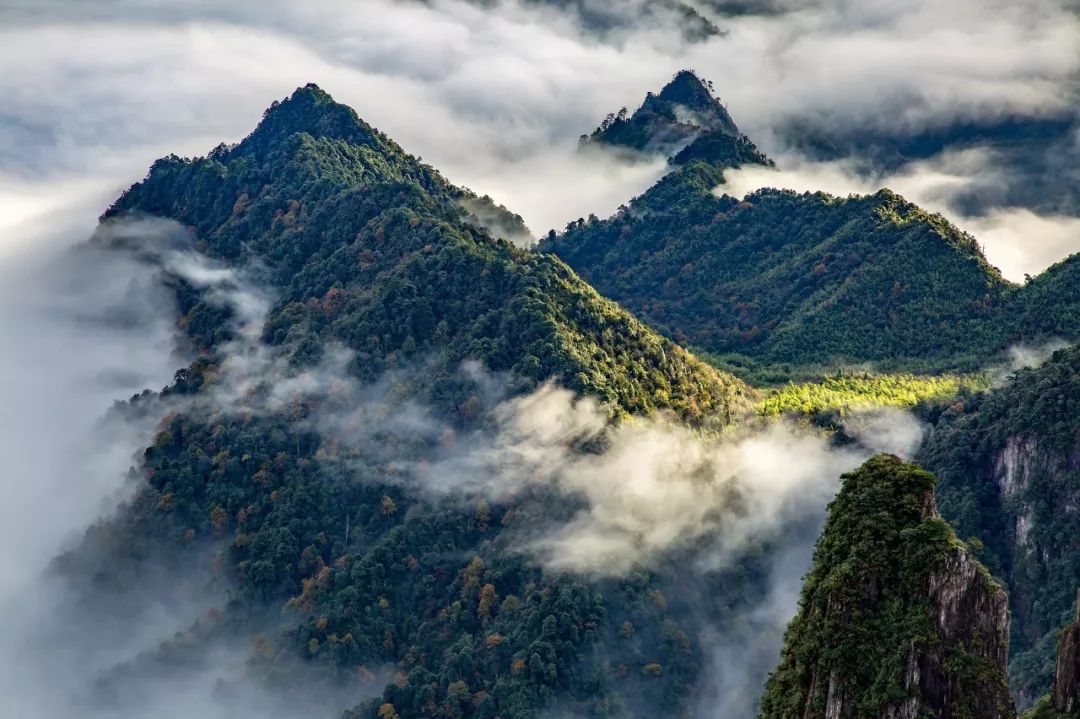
x,y
809,278
785,277
843,394
395,330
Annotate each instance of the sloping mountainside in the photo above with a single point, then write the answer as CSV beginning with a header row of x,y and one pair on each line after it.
x,y
366,246
896,618
684,122
1010,477
785,277
1049,304
340,547
782,277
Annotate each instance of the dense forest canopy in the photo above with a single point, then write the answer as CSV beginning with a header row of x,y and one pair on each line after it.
x,y
800,279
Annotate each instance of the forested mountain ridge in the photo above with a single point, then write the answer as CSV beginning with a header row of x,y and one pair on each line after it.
x,y
332,487
1008,466
811,279
786,277
324,520
340,214
896,618
1049,303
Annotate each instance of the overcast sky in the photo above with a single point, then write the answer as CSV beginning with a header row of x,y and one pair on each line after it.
x,y
495,97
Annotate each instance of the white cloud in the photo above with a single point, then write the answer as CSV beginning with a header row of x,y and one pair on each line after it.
x,y
77,332
1021,242
79,329
496,95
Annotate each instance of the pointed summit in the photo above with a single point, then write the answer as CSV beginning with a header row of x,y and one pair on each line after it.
x,y
896,618
311,110
685,111
688,91
685,87
306,138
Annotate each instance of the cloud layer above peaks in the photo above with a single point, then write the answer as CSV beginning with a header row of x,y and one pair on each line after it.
x,y
495,94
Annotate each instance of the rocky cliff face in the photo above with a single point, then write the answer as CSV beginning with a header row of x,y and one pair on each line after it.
x,y
1013,468
1022,460
971,610
897,620
1008,462
1063,701
1066,696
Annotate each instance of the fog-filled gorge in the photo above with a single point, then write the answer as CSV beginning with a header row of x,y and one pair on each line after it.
x,y
102,329
79,332
84,327
291,431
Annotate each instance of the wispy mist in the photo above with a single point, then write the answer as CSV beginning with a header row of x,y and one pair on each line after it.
x,y
81,327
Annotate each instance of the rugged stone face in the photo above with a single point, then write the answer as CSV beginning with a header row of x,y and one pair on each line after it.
x,y
971,610
1013,469
1007,462
1023,470
897,619
1014,464
1066,695
1063,701
1021,461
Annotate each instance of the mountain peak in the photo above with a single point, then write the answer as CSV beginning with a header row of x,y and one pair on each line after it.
x,y
684,111
694,103
312,110
887,566
307,99
686,88
309,111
